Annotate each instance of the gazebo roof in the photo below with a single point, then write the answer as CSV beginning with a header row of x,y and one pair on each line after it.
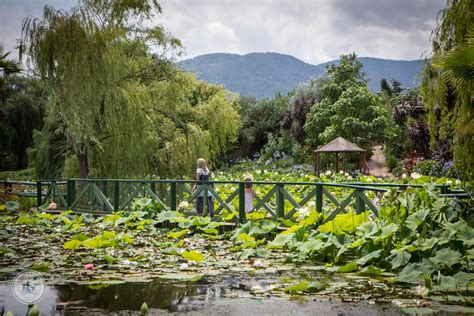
x,y
340,145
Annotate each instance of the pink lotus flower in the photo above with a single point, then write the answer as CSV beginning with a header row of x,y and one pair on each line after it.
x,y
52,206
89,266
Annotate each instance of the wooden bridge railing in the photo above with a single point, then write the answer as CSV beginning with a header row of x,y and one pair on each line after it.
x,y
276,199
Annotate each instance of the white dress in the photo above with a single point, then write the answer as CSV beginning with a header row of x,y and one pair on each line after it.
x,y
248,201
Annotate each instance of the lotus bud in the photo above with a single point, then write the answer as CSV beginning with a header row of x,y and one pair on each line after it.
x,y
34,311
144,309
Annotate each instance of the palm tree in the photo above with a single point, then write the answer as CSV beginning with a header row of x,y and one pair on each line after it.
x,y
456,67
7,66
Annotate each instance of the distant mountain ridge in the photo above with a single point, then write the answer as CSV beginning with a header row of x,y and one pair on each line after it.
x,y
263,74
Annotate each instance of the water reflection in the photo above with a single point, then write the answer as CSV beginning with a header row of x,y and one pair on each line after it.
x,y
229,294
130,296
164,295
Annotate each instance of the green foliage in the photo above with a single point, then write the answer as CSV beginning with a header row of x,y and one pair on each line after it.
x,y
118,104
261,123
22,106
390,91
300,287
447,84
193,256
347,108
8,66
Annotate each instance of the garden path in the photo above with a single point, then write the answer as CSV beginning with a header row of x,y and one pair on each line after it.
x,y
377,164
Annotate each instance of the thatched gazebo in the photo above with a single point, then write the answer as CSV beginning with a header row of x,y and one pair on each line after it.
x,y
339,145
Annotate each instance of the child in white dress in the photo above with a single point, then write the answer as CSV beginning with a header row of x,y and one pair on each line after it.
x,y
249,194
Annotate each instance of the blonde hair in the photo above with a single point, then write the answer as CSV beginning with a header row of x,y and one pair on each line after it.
x,y
201,164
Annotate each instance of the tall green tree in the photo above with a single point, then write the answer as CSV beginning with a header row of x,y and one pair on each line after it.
x,y
447,83
84,56
347,108
123,107
259,118
21,112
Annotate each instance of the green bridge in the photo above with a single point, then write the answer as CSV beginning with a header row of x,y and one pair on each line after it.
x,y
277,199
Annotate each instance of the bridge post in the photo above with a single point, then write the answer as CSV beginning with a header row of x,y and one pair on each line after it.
x,y
280,201
242,218
116,195
444,189
39,197
319,198
71,192
360,205
173,196
105,191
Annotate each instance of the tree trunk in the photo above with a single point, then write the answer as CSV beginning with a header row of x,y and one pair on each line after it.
x,y
83,168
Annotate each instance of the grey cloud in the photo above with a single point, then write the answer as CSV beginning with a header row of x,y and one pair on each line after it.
x,y
400,15
312,30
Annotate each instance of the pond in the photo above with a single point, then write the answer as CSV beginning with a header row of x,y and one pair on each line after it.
x,y
231,294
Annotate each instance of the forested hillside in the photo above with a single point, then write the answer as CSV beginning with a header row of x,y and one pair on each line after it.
x,y
264,74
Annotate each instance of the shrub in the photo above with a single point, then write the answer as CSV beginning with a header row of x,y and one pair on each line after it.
x,y
392,161
399,169
434,168
426,167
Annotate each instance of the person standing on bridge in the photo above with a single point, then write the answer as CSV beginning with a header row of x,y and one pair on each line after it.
x,y
203,174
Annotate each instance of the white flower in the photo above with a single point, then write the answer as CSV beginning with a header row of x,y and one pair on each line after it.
x,y
258,171
184,266
341,172
257,263
397,303
422,291
183,205
404,176
368,179
458,182
328,173
415,175
304,212
349,178
347,174
449,182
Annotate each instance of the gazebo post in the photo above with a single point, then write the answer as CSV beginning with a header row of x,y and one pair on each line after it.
x,y
362,162
317,164
344,163
337,162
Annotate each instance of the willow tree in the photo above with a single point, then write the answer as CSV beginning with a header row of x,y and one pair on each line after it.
x,y
124,108
447,83
87,57
180,120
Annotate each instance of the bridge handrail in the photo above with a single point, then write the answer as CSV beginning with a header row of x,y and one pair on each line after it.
x,y
107,192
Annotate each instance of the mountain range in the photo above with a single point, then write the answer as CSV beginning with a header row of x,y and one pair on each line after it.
x,y
262,75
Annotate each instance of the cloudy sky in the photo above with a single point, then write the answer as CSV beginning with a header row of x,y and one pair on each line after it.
x,y
312,30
